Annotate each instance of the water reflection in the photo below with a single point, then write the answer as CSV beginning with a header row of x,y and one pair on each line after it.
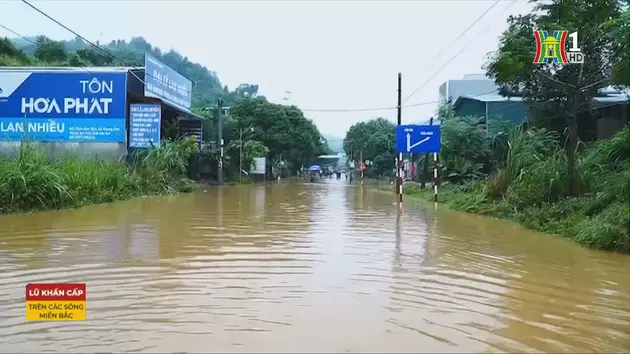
x,y
324,267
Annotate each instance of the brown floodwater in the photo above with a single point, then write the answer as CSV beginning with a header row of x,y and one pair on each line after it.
x,y
323,267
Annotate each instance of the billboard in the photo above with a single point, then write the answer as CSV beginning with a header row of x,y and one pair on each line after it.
x,y
63,106
259,166
144,125
160,81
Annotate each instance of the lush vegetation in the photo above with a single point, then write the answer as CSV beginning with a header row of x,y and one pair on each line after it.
x,y
253,128
553,175
30,179
374,142
528,183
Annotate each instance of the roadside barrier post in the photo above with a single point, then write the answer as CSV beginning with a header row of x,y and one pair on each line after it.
x,y
435,177
399,175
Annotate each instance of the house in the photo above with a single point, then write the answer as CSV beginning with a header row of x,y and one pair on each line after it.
x,y
611,108
105,111
470,85
492,107
478,95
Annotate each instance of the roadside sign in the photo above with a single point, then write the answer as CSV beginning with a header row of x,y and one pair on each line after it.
x,y
418,138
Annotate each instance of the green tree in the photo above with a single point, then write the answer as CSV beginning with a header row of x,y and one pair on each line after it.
x,y
557,95
12,54
241,154
373,140
289,136
75,60
48,50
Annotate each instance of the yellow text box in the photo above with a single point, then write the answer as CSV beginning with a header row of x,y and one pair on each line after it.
x,y
55,310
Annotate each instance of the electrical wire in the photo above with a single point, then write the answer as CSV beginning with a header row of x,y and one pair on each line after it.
x,y
386,108
306,109
97,46
460,51
467,29
17,34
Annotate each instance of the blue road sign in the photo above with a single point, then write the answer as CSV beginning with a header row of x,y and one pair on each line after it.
x,y
144,125
418,138
161,81
63,106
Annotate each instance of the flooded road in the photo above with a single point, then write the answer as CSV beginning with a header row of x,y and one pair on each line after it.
x,y
307,268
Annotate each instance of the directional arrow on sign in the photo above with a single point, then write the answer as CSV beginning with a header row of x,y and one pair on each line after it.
x,y
411,146
417,139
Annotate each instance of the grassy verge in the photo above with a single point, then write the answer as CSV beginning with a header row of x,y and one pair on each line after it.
x,y
30,180
530,188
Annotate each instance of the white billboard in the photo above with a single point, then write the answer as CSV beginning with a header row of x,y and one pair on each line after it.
x,y
259,166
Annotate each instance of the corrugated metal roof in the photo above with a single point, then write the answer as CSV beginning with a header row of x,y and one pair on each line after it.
x,y
499,98
476,77
619,98
493,98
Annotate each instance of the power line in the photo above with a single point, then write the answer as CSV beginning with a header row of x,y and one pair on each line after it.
x,y
385,108
466,30
17,34
305,110
191,93
76,34
96,46
461,50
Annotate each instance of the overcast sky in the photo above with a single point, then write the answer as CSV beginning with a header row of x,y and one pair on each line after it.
x,y
329,54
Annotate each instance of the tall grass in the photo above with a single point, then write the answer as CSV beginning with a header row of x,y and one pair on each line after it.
x,y
529,185
31,180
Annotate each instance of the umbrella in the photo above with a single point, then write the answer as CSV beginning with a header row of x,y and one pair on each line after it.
x,y
313,168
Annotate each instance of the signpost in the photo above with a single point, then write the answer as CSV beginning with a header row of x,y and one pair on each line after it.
x,y
144,125
421,139
163,82
418,138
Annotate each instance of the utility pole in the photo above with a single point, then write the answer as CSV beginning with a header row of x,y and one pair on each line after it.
x,y
240,157
361,164
399,175
425,168
578,90
220,141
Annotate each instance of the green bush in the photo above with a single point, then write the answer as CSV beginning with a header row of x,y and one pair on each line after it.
x,y
32,180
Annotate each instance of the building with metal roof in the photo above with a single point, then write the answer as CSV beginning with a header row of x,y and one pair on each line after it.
x,y
111,128
478,95
611,107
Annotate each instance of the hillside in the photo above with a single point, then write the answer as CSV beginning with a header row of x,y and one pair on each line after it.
x,y
41,50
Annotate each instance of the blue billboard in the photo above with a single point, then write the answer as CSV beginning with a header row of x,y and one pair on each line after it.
x,y
160,81
144,125
62,106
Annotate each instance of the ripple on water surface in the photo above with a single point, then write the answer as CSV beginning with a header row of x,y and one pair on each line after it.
x,y
316,267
